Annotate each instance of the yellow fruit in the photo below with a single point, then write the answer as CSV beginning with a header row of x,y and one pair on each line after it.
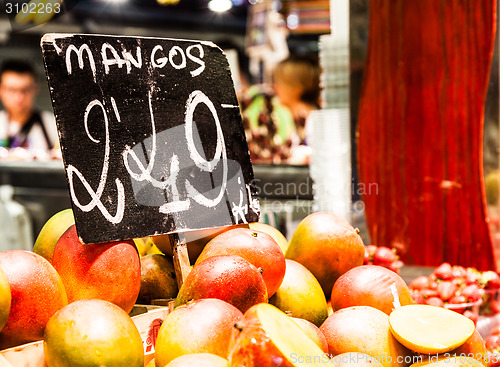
x,y
50,233
202,326
273,232
328,246
92,332
5,299
300,294
140,245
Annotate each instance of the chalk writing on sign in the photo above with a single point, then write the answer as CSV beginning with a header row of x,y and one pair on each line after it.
x,y
151,135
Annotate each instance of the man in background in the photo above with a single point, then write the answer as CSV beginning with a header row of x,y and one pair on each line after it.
x,y
21,124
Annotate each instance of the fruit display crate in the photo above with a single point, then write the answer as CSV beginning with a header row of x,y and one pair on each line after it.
x,y
147,319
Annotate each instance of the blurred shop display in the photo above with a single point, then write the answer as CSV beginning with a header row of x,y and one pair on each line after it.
x,y
266,39
307,16
15,222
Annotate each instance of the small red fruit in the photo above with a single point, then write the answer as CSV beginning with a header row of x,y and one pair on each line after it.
x,y
444,271
428,293
495,330
458,271
420,282
446,290
492,342
395,266
495,306
367,256
384,256
369,252
471,276
417,296
471,292
432,284
434,301
493,280
457,300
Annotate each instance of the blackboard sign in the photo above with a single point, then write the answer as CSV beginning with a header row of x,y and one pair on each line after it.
x,y
151,135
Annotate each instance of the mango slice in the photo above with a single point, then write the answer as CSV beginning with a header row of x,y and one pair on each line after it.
x,y
430,329
267,337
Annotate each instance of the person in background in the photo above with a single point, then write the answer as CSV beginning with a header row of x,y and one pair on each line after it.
x,y
21,123
296,82
274,117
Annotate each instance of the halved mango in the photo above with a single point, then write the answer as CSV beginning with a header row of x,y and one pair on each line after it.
x,y
267,337
429,329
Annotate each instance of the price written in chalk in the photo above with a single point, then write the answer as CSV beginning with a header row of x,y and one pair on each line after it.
x,y
151,135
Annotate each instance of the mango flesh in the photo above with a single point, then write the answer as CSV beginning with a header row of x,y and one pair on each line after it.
x,y
92,332
229,278
430,329
199,360
258,248
37,294
271,231
202,326
301,294
267,337
110,271
328,246
157,279
5,299
50,233
352,359
313,332
366,330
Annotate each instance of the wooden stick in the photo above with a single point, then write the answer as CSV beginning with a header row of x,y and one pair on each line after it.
x,y
181,257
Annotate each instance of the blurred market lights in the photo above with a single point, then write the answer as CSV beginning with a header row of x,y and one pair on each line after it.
x,y
220,6
167,2
292,20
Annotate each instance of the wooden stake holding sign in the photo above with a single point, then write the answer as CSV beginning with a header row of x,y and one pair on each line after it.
x,y
151,137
